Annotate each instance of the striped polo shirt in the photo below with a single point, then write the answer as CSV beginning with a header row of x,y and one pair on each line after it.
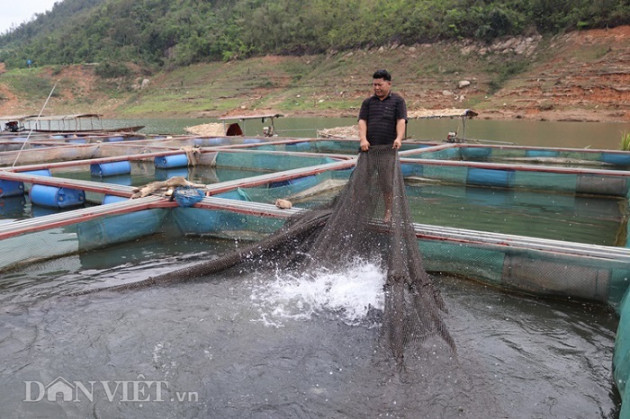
x,y
381,117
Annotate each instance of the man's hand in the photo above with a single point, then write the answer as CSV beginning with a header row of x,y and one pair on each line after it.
x,y
365,145
397,144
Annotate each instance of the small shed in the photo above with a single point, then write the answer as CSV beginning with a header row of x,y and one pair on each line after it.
x,y
233,128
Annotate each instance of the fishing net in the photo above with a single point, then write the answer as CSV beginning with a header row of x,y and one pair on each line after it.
x,y
369,220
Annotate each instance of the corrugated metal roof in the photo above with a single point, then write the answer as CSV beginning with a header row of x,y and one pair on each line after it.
x,y
65,117
245,117
16,117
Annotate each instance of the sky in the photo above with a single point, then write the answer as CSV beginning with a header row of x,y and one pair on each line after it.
x,y
21,11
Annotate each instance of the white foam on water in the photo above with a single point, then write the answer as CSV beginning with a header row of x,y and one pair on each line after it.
x,y
347,294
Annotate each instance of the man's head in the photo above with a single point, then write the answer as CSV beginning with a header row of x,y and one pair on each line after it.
x,y
382,83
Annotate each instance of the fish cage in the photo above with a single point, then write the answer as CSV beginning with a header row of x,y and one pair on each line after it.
x,y
543,221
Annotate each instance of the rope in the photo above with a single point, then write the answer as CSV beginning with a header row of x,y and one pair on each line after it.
x,y
36,120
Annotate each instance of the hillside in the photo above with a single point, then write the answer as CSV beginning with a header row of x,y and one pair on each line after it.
x,y
581,75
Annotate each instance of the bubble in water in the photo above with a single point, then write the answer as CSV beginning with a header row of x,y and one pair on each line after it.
x,y
347,294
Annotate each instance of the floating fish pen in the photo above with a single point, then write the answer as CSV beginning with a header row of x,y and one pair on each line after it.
x,y
543,221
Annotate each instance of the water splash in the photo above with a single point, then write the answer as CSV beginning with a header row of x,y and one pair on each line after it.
x,y
349,294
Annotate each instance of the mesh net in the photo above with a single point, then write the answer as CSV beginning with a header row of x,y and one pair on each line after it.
x,y
369,220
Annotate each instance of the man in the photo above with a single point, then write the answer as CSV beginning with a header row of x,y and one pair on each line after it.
x,y
383,116
382,122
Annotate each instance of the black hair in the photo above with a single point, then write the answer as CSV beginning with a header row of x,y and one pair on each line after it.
x,y
382,74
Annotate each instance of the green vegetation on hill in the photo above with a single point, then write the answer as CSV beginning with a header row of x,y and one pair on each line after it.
x,y
169,34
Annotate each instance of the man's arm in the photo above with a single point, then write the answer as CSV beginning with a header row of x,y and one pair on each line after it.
x,y
400,133
364,144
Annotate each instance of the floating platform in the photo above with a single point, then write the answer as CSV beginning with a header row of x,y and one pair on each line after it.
x,y
245,175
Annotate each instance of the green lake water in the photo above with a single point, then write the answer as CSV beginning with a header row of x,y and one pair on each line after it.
x,y
534,133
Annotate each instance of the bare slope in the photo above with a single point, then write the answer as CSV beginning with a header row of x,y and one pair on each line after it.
x,y
576,76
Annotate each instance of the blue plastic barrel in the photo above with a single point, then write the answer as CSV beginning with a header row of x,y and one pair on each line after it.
x,y
110,169
490,177
541,153
110,199
618,159
11,188
55,197
169,162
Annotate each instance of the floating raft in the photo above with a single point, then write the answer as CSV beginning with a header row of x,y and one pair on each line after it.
x,y
563,269
242,208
